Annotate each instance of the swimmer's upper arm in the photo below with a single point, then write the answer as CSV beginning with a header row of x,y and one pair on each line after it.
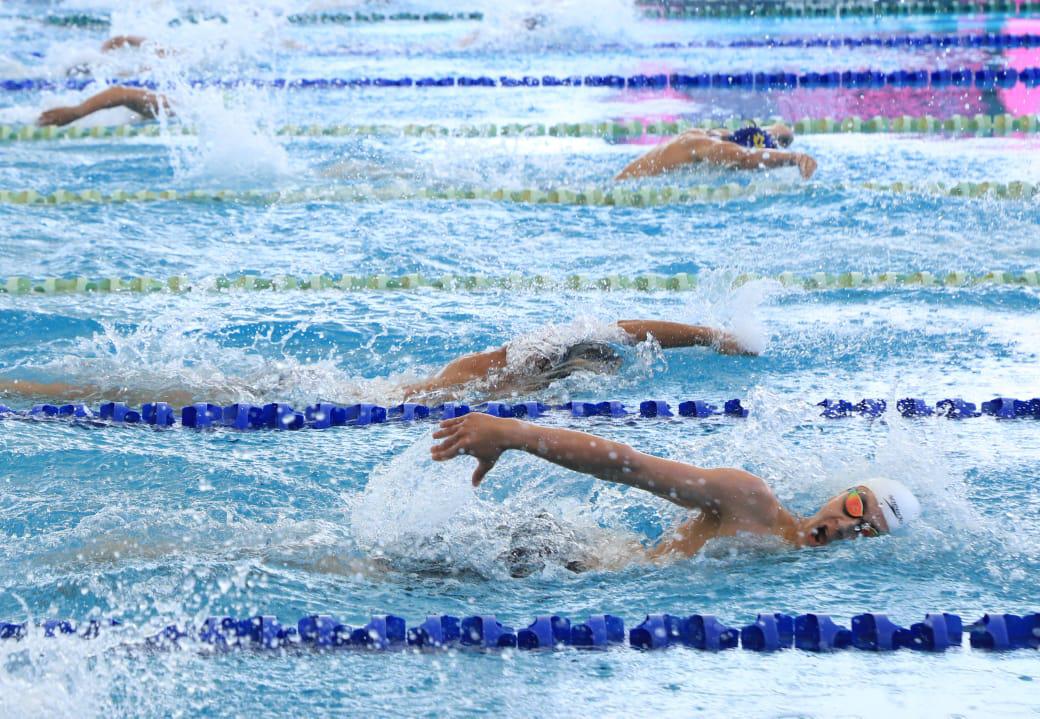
x,y
678,151
728,154
670,334
724,492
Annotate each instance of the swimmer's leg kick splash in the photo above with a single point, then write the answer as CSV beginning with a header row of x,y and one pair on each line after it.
x,y
728,500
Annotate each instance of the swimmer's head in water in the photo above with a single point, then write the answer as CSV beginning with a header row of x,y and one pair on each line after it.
x,y
752,137
876,507
763,138
598,357
782,134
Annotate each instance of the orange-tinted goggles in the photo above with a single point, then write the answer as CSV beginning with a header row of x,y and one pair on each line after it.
x,y
855,508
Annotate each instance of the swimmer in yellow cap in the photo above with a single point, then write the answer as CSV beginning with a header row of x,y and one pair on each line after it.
x,y
749,148
728,501
526,364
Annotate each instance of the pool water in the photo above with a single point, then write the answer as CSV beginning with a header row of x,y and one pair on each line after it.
x,y
160,527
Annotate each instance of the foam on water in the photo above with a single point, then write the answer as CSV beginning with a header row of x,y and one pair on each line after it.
x,y
425,516
539,24
235,143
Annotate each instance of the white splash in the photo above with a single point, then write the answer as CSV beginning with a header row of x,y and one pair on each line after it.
x,y
717,303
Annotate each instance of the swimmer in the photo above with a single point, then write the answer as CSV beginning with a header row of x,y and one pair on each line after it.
x,y
118,42
145,103
512,369
750,148
519,366
728,501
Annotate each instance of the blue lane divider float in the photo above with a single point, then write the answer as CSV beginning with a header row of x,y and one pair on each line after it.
x,y
982,79
324,415
927,41
279,416
998,41
817,633
952,408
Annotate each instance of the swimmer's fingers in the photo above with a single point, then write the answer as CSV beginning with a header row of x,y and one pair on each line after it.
x,y
449,449
483,467
449,428
807,166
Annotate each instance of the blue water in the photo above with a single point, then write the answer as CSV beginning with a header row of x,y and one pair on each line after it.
x,y
160,527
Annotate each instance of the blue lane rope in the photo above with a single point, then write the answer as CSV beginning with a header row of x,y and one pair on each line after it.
x,y
819,633
997,41
324,415
985,79
952,408
919,41
709,9
280,416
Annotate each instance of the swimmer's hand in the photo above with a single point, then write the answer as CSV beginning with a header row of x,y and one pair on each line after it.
x,y
478,435
806,165
727,344
59,116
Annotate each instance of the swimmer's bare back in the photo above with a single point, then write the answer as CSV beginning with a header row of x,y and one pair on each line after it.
x,y
697,146
145,103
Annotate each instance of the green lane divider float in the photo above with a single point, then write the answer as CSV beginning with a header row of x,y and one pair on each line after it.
x,y
701,9
917,124
323,18
610,197
469,283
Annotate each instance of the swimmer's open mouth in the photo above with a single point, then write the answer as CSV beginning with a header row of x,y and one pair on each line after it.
x,y
819,535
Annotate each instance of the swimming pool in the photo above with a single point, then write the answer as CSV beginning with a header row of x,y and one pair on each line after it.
x,y
160,527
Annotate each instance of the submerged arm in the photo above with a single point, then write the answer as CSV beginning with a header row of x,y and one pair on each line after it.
x,y
677,334
142,102
718,492
50,390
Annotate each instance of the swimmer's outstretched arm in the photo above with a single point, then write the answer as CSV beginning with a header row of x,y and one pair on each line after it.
x,y
50,390
144,103
690,148
723,493
677,334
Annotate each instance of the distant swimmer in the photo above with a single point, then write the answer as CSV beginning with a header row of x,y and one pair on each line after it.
x,y
145,103
119,42
527,364
729,502
750,148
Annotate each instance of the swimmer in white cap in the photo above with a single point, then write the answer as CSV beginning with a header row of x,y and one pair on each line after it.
x,y
728,501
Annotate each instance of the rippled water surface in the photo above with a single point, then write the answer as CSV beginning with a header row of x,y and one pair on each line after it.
x,y
160,527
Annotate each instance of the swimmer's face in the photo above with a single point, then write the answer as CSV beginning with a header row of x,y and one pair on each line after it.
x,y
834,522
783,135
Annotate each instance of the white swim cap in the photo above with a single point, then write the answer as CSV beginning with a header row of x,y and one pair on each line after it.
x,y
897,503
